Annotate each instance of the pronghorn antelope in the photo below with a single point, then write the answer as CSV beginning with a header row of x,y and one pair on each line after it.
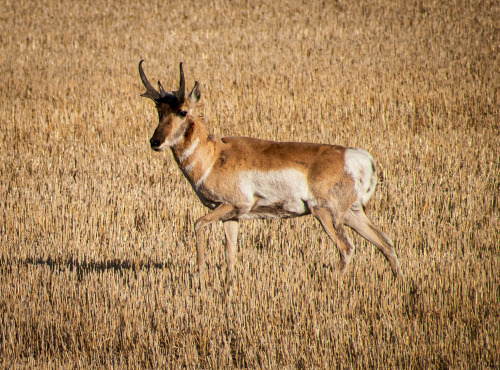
x,y
241,178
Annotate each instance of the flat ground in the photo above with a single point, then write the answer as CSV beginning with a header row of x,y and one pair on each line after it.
x,y
97,246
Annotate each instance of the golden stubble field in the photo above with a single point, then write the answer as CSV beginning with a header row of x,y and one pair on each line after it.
x,y
97,248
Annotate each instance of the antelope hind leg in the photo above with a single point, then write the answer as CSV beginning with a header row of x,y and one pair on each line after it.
x,y
336,232
357,220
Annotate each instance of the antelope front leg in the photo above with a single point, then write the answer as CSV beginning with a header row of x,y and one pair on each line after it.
x,y
231,229
224,212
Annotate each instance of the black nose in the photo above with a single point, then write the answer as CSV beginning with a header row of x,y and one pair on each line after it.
x,y
154,142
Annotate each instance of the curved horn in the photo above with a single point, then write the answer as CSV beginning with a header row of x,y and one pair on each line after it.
x,y
150,93
182,86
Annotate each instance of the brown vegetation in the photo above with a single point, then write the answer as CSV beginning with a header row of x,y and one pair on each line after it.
x,y
97,248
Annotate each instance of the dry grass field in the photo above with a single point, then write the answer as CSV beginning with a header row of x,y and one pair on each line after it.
x,y
97,250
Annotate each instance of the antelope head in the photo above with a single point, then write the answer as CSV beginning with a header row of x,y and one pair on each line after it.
x,y
174,110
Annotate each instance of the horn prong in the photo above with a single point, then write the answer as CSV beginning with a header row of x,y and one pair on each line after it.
x,y
161,89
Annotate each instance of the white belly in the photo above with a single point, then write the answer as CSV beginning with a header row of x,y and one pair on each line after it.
x,y
275,194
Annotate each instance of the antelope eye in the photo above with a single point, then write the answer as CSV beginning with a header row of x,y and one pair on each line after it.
x,y
182,113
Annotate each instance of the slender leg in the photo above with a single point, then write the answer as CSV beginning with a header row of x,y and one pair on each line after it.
x,y
231,229
336,231
357,220
224,212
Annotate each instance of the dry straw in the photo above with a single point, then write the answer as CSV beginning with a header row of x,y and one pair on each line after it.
x,y
97,248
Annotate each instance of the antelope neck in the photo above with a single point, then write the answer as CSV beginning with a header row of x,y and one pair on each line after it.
x,y
195,153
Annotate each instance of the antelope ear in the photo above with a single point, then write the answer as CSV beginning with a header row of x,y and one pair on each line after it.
x,y
195,94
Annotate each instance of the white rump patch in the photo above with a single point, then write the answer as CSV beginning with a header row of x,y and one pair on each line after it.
x,y
285,189
360,165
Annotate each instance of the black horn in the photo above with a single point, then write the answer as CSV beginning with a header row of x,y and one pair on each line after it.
x,y
150,93
179,94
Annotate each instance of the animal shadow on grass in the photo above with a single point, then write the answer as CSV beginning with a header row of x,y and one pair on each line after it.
x,y
85,266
